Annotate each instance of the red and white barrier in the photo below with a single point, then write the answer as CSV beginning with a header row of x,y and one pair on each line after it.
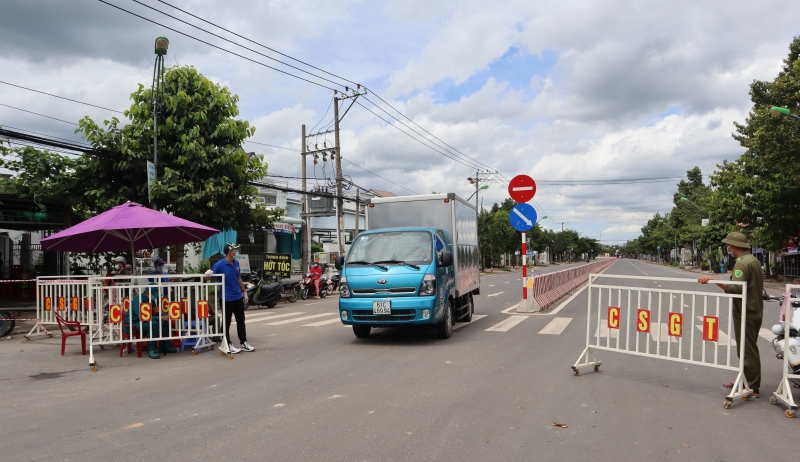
x,y
550,287
69,297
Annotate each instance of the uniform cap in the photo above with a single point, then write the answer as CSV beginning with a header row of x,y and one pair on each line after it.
x,y
158,262
120,260
737,240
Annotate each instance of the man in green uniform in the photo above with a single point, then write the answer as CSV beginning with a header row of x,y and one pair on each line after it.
x,y
746,269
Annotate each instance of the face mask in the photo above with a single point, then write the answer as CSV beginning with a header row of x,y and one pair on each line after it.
x,y
160,269
729,249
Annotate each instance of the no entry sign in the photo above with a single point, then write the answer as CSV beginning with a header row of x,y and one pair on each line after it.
x,y
522,188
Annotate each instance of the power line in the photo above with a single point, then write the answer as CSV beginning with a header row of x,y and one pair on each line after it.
x,y
414,138
476,163
61,97
217,47
259,44
386,179
237,44
423,129
271,145
36,113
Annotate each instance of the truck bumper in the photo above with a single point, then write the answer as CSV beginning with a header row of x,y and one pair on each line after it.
x,y
405,310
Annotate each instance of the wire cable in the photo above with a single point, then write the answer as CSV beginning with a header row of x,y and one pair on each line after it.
x,y
386,179
217,47
271,145
36,113
61,97
237,44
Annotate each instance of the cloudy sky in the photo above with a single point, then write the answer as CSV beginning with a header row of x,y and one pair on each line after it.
x,y
564,91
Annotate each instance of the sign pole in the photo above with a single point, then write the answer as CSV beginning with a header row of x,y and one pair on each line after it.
x,y
524,268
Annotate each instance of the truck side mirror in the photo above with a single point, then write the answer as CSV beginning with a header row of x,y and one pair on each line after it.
x,y
446,259
339,263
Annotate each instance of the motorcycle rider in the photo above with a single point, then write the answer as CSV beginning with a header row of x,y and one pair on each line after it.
x,y
316,274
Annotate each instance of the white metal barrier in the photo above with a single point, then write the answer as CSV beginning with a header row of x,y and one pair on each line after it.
x,y
665,318
784,392
191,311
66,295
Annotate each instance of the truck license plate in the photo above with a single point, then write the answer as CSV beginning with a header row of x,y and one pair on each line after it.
x,y
382,307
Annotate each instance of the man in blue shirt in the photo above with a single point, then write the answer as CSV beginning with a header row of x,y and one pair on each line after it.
x,y
235,296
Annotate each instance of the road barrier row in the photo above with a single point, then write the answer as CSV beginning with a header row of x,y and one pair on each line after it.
x,y
550,287
664,318
69,297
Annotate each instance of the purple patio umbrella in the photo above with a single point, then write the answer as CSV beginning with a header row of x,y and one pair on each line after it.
x,y
129,226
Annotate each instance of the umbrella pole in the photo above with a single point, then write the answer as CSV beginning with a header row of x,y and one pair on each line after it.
x,y
133,260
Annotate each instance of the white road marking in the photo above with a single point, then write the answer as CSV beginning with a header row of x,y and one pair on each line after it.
x,y
322,323
287,321
491,285
507,324
507,282
766,334
665,337
256,318
556,326
475,317
723,337
269,318
602,330
492,295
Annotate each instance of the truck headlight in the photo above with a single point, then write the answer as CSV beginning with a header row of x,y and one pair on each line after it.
x,y
344,289
428,286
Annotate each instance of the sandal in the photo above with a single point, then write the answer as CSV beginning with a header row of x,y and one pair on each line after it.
x,y
727,385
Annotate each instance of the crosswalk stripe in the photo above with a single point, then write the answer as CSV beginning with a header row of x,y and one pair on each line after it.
x,y
766,334
492,295
287,321
256,318
475,317
507,324
556,326
322,323
270,318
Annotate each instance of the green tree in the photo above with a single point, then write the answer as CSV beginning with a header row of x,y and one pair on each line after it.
x,y
758,191
43,176
204,175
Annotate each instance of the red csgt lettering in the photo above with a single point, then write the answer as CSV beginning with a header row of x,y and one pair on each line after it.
x,y
643,320
711,328
675,324
613,317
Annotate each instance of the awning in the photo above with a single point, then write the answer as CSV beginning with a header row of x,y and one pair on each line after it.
x,y
13,234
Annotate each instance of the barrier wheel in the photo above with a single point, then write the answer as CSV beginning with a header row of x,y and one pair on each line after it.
x,y
194,352
597,368
790,413
94,367
727,404
230,356
50,335
576,372
745,398
102,347
773,400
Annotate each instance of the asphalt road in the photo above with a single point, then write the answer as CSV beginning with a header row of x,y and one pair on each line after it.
x,y
313,391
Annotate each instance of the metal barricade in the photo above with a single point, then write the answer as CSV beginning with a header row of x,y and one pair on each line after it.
x,y
66,295
130,309
783,394
643,316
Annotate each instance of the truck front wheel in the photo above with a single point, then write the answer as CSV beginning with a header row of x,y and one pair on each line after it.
x,y
361,331
445,328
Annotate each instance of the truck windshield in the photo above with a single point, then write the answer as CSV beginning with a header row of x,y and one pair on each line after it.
x,y
401,248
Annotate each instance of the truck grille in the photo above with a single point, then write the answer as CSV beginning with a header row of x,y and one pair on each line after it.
x,y
397,315
395,290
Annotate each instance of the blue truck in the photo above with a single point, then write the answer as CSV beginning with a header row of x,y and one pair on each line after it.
x,y
417,264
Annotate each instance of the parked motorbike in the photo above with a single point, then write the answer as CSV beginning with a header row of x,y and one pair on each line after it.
x,y
333,283
291,290
794,328
307,287
263,292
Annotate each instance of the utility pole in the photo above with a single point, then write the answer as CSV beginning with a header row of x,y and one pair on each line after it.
x,y
339,200
306,256
358,211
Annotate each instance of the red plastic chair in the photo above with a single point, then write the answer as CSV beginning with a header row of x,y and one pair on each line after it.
x,y
68,333
126,336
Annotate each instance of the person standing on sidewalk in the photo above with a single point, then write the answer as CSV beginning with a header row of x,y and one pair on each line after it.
x,y
746,269
235,296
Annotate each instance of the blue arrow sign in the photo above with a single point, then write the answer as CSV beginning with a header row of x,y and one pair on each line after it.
x,y
522,217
